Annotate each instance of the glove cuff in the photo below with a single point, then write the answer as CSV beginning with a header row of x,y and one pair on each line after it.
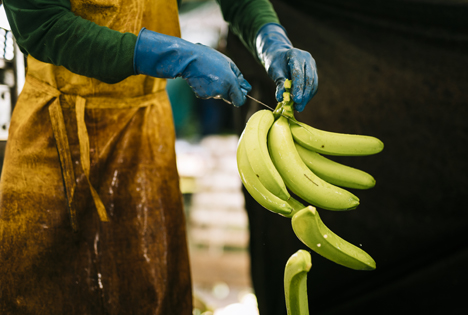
x,y
271,27
135,51
160,55
270,37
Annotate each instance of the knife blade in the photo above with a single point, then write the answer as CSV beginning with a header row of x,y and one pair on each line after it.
x,y
254,99
261,103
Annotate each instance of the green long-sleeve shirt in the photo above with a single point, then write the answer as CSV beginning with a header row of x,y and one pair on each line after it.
x,y
50,32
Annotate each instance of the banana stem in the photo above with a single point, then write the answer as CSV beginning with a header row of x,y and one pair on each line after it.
x,y
286,107
278,110
288,110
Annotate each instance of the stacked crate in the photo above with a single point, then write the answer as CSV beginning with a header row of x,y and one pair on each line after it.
x,y
217,218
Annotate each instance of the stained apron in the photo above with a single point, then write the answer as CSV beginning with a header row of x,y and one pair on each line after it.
x,y
91,215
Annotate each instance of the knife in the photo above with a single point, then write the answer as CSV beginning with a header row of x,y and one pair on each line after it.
x,y
261,103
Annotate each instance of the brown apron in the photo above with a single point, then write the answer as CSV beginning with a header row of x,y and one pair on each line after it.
x,y
91,217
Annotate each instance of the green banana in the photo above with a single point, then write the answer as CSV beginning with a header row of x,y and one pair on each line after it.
x,y
310,229
299,178
255,142
255,188
295,283
332,143
333,172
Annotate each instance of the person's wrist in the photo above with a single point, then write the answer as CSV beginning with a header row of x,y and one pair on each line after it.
x,y
271,37
271,28
136,51
160,55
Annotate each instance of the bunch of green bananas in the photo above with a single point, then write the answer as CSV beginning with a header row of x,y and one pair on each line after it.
x,y
277,154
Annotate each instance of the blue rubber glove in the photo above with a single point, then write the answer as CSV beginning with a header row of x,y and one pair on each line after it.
x,y
282,61
209,73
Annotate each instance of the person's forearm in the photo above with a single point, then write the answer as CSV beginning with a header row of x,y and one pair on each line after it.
x,y
53,34
246,17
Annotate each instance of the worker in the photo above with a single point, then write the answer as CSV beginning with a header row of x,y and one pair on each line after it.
x,y
91,218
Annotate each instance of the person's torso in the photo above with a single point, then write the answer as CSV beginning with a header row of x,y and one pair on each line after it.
x,y
124,16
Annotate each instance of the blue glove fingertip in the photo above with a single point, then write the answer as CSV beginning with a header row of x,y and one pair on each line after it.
x,y
297,97
299,107
245,89
238,99
245,86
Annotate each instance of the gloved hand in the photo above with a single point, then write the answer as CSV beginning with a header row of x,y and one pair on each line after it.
x,y
282,61
209,73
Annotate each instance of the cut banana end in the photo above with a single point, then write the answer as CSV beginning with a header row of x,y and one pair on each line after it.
x,y
295,283
310,229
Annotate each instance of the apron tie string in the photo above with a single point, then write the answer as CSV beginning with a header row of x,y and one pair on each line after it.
x,y
66,163
63,147
83,139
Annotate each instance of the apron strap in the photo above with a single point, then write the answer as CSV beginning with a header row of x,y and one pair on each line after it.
x,y
66,163
83,139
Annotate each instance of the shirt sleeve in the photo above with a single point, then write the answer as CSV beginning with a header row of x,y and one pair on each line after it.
x,y
49,31
246,17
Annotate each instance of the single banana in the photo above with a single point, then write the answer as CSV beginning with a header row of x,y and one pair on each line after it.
x,y
295,283
310,229
333,172
255,142
332,143
255,188
299,178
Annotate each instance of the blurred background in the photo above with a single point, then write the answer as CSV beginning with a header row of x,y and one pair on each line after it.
x,y
206,147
